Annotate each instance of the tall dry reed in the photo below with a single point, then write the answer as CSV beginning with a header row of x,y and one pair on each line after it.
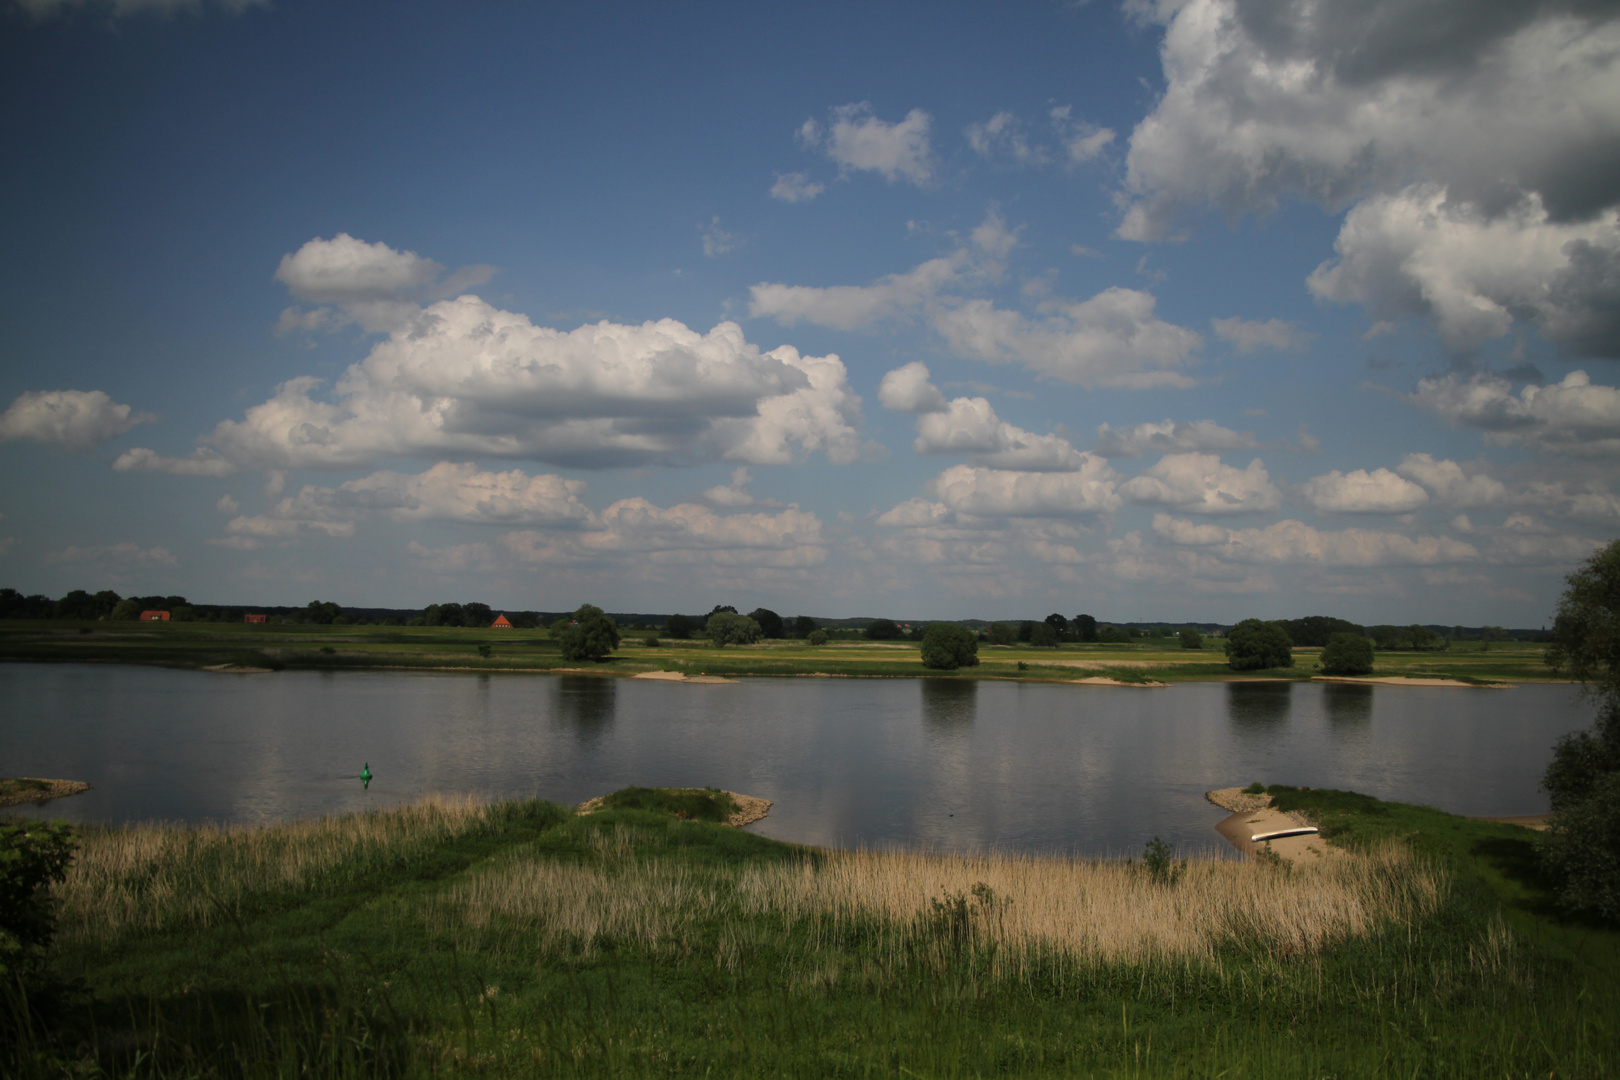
x,y
1105,910
156,876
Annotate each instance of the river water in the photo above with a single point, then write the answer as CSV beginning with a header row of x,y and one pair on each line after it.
x,y
941,763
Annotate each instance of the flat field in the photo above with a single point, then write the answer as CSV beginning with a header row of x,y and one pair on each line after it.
x,y
522,939
277,647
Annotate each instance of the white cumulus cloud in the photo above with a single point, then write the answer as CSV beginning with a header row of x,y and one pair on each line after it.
x,y
795,187
858,140
465,378
1363,492
987,492
1574,416
908,389
1296,542
971,426
1170,437
200,462
72,419
1251,335
1201,484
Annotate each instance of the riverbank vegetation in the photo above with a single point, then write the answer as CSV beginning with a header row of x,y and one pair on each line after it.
x,y
273,647
452,938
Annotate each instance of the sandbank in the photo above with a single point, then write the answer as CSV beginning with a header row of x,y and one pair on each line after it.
x,y
1254,814
1396,680
681,676
1537,822
31,789
1099,680
750,808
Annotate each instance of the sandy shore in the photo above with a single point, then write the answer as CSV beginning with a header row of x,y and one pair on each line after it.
x,y
1396,680
1537,822
681,676
1254,814
749,808
1098,680
30,789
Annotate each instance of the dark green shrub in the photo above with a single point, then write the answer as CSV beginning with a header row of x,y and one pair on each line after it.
x,y
33,857
818,636
1254,645
1347,654
1161,866
590,635
1191,639
946,647
1256,788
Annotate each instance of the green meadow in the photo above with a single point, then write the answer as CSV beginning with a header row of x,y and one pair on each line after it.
x,y
307,646
524,939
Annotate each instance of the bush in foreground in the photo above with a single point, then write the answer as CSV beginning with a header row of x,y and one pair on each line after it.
x,y
1347,654
1254,645
946,647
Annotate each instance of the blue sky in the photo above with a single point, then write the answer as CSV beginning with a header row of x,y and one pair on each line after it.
x,y
1177,310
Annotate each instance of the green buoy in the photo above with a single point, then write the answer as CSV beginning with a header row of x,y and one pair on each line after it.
x,y
365,776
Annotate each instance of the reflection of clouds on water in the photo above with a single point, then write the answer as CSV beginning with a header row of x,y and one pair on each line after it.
x,y
1258,707
949,705
958,765
586,704
1347,705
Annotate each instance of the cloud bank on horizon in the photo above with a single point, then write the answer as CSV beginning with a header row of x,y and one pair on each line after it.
x,y
1325,323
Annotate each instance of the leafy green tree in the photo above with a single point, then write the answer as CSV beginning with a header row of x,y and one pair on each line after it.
x,y
1059,625
728,628
1313,631
126,611
882,630
34,856
1114,636
1085,627
1254,645
947,646
1191,638
804,626
1025,630
591,635
1002,634
479,615
678,627
1347,654
770,623
818,636
77,604
1041,635
1582,846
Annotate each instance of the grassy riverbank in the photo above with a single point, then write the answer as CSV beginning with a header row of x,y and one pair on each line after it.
x,y
520,939
280,647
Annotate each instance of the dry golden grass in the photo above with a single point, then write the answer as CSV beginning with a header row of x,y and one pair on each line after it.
x,y
1108,910
152,876
1089,910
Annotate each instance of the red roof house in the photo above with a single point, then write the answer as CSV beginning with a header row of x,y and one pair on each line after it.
x,y
500,623
154,616
253,618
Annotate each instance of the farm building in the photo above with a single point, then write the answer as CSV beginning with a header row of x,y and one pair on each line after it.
x,y
154,616
253,618
500,623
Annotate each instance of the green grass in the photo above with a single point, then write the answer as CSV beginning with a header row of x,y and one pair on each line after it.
x,y
688,804
290,646
522,940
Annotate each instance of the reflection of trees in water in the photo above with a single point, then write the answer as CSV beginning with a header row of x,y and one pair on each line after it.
x,y
949,703
1346,703
586,703
1259,704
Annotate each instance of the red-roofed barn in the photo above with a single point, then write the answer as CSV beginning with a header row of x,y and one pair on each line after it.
x,y
500,623
154,616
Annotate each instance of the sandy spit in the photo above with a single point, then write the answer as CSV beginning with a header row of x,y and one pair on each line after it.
x,y
1254,814
54,789
681,676
1098,680
1396,680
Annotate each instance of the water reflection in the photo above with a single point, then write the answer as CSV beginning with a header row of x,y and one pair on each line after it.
x,y
1347,703
949,705
586,703
1259,707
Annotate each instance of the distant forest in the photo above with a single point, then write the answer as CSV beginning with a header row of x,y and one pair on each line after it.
x,y
1310,631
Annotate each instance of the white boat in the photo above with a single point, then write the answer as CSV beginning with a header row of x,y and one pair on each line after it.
x,y
1278,834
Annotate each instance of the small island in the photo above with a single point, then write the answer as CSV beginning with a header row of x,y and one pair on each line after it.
x,y
15,791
